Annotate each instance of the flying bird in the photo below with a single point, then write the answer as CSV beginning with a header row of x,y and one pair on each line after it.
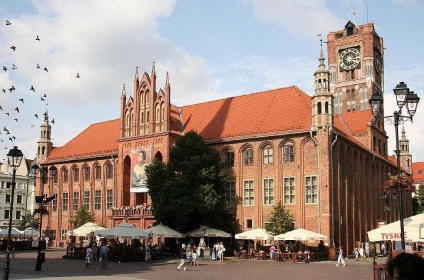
x,y
12,88
32,88
53,121
38,66
7,114
3,90
21,99
1,108
4,68
45,95
45,69
42,99
8,22
78,75
38,38
17,109
32,125
13,48
35,115
15,120
14,67
11,139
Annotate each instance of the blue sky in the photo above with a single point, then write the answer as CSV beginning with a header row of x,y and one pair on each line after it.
x,y
212,49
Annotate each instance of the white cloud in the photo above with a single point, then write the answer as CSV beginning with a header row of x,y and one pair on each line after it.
x,y
305,18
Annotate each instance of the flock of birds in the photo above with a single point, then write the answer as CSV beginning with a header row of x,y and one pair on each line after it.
x,y
12,114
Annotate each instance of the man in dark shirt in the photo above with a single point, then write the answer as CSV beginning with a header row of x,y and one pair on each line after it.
x,y
183,258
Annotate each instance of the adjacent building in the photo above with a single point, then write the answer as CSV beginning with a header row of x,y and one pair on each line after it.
x,y
321,155
24,193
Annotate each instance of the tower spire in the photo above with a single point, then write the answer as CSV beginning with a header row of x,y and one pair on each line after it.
x,y
124,93
153,68
136,73
167,78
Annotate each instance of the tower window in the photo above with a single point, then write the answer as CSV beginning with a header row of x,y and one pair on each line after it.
x,y
326,107
319,109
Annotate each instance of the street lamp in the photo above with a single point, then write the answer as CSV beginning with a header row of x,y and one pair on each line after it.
x,y
42,201
14,159
410,99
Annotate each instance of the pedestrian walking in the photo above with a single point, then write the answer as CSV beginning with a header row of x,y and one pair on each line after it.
x,y
88,257
194,256
272,252
341,258
104,250
182,258
362,253
95,253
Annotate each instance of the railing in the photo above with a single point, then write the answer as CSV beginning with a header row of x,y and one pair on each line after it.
x,y
132,211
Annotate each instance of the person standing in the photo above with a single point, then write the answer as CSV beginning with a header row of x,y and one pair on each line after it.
x,y
356,253
221,251
272,252
383,249
94,253
361,253
195,256
341,258
182,258
104,250
88,257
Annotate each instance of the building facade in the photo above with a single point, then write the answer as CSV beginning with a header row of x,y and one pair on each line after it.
x,y
322,156
24,193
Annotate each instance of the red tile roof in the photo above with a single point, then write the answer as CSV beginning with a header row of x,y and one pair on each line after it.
x,y
98,139
418,171
280,110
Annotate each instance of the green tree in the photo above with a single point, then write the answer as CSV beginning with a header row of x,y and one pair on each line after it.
x,y
28,221
418,202
82,216
281,220
189,190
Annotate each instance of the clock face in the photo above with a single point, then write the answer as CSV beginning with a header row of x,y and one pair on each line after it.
x,y
378,62
349,58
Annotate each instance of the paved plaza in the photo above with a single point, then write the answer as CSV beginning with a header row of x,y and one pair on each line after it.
x,y
55,267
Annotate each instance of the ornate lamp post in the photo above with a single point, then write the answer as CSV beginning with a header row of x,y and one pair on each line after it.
x,y
410,99
43,202
14,159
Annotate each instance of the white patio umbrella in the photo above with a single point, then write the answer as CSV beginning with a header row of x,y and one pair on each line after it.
x,y
86,229
413,229
124,230
31,232
255,234
164,231
300,234
14,232
208,232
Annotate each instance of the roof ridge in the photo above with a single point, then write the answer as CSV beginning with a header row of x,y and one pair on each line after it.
x,y
242,95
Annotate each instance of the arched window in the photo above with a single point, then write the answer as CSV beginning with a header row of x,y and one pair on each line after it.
x,y
248,157
229,158
288,152
268,155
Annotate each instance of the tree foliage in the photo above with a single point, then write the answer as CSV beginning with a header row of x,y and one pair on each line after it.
x,y
189,190
82,216
281,220
28,221
418,201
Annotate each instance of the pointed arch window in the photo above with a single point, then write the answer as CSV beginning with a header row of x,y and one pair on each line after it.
x,y
76,174
268,155
109,171
98,171
248,157
65,175
229,158
288,152
87,173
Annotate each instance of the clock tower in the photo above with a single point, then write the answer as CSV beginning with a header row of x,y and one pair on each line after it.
x,y
355,57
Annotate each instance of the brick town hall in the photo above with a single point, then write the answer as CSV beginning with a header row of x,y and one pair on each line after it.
x,y
323,158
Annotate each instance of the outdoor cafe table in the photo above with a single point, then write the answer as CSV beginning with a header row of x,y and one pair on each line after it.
x,y
287,256
278,256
